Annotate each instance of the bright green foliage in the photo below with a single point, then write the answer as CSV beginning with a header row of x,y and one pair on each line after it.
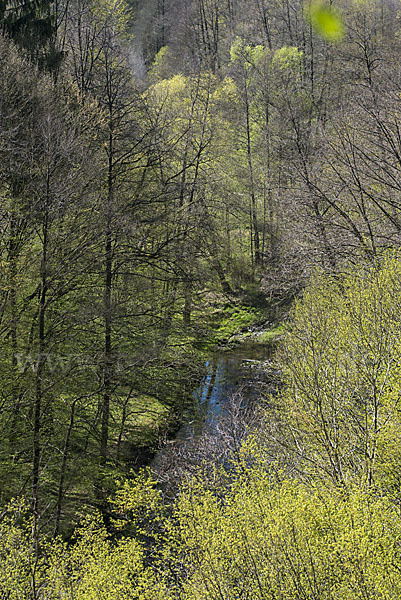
x,y
140,503
259,536
265,540
325,20
244,53
342,354
287,58
95,568
92,567
198,141
159,65
18,567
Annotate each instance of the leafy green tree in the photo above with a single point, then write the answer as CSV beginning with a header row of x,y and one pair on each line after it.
x,y
264,539
341,356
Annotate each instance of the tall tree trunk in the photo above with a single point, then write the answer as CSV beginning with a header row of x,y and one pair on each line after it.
x,y
187,303
60,494
16,397
40,368
265,22
107,373
254,217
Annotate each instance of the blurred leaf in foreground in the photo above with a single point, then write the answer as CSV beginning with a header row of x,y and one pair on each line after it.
x,y
325,20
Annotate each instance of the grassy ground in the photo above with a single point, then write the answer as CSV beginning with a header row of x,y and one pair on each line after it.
x,y
269,336
236,324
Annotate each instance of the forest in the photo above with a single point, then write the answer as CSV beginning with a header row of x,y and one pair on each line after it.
x,y
181,180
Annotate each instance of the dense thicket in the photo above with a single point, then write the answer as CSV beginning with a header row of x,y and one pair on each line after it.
x,y
160,159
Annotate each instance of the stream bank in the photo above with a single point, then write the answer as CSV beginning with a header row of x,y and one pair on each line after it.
x,y
238,376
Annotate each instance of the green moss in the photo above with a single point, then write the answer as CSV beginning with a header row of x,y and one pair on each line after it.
x,y
267,337
234,320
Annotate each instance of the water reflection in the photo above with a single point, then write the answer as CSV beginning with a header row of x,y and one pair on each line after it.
x,y
239,370
218,419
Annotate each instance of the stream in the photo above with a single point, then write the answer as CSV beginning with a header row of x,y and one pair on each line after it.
x,y
243,372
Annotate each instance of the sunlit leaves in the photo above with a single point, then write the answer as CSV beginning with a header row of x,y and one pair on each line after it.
x,y
265,540
342,357
288,57
116,14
